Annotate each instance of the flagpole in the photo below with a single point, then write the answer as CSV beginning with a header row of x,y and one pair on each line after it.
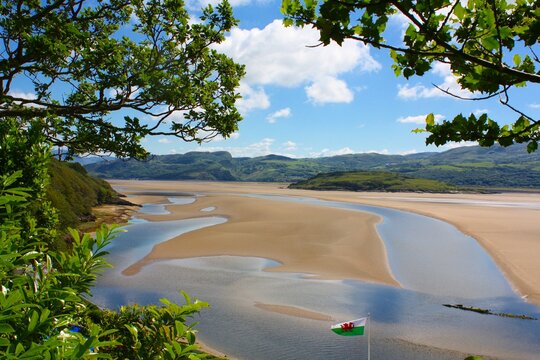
x,y
369,336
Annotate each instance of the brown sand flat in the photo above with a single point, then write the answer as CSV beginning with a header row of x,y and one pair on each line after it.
x,y
322,242
510,234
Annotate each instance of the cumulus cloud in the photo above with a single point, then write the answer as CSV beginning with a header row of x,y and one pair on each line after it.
x,y
329,90
260,148
418,119
407,152
449,84
289,145
198,4
279,55
252,99
329,152
480,111
26,96
23,95
454,145
280,114
164,141
216,138
535,106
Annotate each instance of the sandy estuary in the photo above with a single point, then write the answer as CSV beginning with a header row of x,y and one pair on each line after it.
x,y
279,266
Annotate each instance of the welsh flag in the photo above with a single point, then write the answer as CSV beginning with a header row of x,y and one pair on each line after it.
x,y
350,328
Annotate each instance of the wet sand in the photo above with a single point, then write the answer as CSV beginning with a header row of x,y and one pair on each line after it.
x,y
501,223
314,240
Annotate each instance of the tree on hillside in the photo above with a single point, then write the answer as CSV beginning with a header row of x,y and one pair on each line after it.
x,y
490,45
71,63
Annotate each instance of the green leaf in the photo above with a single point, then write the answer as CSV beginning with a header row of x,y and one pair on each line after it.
x,y
19,349
33,321
459,11
490,43
6,328
517,59
532,146
430,119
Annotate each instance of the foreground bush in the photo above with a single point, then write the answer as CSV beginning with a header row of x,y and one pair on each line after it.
x,y
44,307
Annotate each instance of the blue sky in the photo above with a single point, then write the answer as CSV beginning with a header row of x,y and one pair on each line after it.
x,y
307,102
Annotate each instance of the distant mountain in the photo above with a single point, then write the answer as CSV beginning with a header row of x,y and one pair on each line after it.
x,y
86,160
466,166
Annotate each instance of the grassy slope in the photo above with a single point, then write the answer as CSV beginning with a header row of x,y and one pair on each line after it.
x,y
73,192
371,181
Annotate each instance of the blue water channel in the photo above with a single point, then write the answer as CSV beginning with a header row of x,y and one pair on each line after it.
x,y
432,260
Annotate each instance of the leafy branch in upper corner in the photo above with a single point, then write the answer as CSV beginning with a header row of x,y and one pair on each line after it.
x,y
491,47
147,60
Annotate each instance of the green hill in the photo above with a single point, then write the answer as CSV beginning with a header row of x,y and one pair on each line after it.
x,y
466,166
73,193
371,181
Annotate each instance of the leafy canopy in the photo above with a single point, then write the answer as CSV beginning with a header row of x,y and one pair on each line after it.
x,y
86,59
490,45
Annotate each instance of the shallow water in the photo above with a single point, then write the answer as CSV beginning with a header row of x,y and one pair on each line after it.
x,y
408,323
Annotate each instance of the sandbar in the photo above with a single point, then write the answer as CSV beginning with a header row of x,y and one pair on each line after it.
x,y
507,226
312,240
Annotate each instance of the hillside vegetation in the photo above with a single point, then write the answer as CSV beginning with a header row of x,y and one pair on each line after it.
x,y
465,166
371,181
73,193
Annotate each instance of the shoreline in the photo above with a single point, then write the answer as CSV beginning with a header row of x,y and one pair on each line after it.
x,y
508,233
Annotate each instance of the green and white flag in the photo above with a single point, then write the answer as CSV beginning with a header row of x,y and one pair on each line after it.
x,y
350,328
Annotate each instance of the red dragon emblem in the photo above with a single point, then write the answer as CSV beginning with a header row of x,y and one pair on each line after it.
x,y
347,326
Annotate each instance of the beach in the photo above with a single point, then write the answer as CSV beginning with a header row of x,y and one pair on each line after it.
x,y
334,243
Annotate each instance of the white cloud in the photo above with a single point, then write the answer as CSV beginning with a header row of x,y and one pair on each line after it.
x,y
480,111
401,22
251,99
261,148
216,138
289,145
454,145
328,152
449,84
418,119
23,95
383,152
279,55
164,141
407,152
198,4
329,89
535,106
280,114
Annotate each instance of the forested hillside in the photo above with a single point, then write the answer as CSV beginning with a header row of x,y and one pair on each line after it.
x,y
465,166
73,193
